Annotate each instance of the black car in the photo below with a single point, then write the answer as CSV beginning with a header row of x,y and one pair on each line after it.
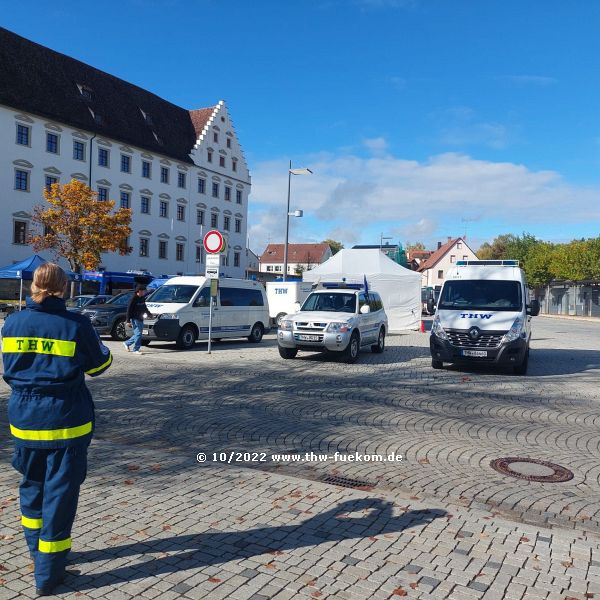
x,y
78,303
109,318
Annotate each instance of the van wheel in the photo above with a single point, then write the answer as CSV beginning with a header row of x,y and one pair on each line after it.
x,y
186,338
287,352
118,331
353,349
379,347
256,334
437,364
279,317
522,368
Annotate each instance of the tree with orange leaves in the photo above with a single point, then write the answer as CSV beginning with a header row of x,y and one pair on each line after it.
x,y
79,227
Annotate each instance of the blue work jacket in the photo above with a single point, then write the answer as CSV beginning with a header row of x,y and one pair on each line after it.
x,y
46,352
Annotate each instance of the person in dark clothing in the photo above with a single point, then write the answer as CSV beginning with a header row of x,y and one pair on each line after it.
x,y
47,351
137,311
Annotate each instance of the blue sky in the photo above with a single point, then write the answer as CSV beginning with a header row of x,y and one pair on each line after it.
x,y
421,119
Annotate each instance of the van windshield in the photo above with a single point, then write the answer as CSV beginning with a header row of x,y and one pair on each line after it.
x,y
173,294
481,294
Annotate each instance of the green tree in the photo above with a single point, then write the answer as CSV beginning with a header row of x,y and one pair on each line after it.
x,y
416,246
538,266
334,245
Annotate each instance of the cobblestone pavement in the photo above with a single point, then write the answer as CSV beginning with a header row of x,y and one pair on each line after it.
x,y
155,523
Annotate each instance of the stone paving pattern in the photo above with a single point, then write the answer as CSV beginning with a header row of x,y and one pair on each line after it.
x,y
154,523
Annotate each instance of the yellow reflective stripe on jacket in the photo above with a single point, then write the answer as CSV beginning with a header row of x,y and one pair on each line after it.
x,y
38,346
102,366
31,523
59,546
50,435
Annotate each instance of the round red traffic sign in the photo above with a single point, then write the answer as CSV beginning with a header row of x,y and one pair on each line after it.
x,y
213,242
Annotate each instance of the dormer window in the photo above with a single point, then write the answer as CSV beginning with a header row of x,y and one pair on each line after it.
x,y
147,118
86,92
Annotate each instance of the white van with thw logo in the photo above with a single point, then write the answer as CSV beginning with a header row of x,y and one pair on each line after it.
x,y
483,315
180,311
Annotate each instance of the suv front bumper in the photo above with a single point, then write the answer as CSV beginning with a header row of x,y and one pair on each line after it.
x,y
512,353
317,341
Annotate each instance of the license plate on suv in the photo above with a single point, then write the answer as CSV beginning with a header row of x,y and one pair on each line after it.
x,y
475,353
304,337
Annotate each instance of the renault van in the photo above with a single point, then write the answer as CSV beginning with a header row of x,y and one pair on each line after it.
x,y
483,316
180,311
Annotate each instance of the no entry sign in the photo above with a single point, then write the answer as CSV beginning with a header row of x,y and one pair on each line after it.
x,y
213,242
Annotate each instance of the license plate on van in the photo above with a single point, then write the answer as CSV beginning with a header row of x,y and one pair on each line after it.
x,y
145,331
475,353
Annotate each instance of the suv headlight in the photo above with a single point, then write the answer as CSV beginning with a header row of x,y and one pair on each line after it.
x,y
168,316
437,329
286,325
515,332
337,327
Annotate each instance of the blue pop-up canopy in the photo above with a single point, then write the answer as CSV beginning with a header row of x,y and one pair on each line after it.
x,y
23,269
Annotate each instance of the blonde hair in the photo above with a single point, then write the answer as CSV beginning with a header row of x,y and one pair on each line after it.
x,y
48,280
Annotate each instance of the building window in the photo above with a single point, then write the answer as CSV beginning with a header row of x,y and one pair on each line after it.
x,y
164,209
229,142
458,245
162,249
238,196
146,166
214,220
236,259
199,257
164,175
144,246
49,181
209,156
180,212
145,205
179,251
102,194
238,226
199,217
125,163
269,268
20,233
215,137
226,223
51,143
440,274
201,185
23,135
234,165
181,180
227,193
278,267
221,161
21,180
452,258
125,199
465,257
215,190
78,150
103,156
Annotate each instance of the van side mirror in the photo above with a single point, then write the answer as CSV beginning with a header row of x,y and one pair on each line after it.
x,y
430,306
297,307
365,309
534,308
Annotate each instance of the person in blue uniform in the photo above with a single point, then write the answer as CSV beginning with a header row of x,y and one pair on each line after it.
x,y
47,351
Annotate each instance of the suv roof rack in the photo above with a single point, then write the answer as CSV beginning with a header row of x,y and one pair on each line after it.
x,y
480,263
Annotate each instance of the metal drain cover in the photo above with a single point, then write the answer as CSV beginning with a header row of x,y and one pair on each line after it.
x,y
349,483
531,469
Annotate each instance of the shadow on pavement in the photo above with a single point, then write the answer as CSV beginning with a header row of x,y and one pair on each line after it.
x,y
214,547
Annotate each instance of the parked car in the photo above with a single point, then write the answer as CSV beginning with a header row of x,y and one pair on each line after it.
x,y
109,318
6,309
77,303
340,320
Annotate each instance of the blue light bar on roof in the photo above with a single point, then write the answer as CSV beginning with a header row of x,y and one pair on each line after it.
x,y
342,285
480,263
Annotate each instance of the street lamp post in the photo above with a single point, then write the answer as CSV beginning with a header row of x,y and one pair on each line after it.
x,y
296,213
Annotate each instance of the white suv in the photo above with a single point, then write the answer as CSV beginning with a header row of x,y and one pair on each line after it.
x,y
338,320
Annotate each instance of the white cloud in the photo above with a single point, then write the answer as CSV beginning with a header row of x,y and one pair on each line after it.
x,y
377,146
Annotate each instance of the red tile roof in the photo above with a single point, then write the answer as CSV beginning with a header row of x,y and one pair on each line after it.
x,y
297,253
438,254
200,117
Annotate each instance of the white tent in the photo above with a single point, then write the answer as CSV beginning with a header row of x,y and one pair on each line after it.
x,y
399,288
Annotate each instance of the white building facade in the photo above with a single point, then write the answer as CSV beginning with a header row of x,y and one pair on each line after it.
x,y
175,197
435,268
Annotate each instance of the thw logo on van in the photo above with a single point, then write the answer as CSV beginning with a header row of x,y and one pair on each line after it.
x,y
475,315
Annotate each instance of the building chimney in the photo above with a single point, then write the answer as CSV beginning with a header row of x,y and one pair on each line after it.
x,y
449,238
439,245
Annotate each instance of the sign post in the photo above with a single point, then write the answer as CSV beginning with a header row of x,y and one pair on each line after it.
x,y
214,243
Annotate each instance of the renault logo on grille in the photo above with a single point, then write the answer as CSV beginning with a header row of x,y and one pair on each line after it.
x,y
474,333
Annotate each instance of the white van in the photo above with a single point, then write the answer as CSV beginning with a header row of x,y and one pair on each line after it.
x,y
283,297
483,315
181,311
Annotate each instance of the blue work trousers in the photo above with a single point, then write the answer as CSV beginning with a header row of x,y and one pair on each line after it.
x,y
49,492
136,339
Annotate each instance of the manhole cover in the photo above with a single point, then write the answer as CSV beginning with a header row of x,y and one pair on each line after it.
x,y
346,482
531,469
